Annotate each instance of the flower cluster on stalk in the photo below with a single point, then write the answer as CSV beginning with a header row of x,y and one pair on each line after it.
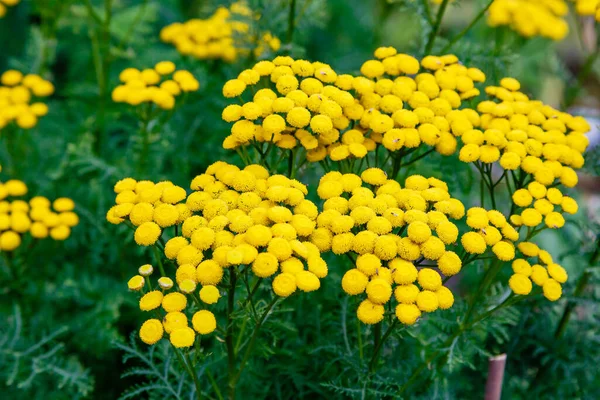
x,y
227,34
20,98
160,85
249,222
544,18
396,238
38,217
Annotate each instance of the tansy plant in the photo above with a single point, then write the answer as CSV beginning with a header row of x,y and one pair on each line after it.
x,y
402,239
154,93
237,230
25,222
21,107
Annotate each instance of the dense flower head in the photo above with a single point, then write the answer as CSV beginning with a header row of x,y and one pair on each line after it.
x,y
532,18
301,104
148,206
20,98
160,85
38,217
397,236
4,4
242,219
490,231
536,265
226,35
537,145
408,101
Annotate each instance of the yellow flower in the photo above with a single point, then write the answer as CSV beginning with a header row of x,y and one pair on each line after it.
x,y
407,313
370,313
284,284
151,331
520,284
209,294
552,290
427,301
182,337
151,300
174,320
136,283
147,234
204,322
473,243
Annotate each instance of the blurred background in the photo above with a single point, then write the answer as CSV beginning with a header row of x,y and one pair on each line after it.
x,y
60,332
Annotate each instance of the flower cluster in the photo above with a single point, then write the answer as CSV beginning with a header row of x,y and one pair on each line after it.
x,y
238,220
149,206
406,107
159,85
531,18
7,3
39,217
489,229
17,98
537,203
310,103
395,236
224,35
343,116
526,135
547,274
588,7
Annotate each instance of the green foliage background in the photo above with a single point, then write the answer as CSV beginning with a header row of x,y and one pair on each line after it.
x,y
68,325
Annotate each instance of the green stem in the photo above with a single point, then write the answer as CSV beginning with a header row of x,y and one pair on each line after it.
x,y
467,29
229,335
291,21
159,261
377,350
436,27
214,384
359,337
248,352
189,371
194,376
427,10
579,289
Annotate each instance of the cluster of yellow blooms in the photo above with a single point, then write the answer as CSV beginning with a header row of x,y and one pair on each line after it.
x,y
244,220
343,116
16,95
225,35
549,277
7,3
39,217
159,85
396,236
310,104
401,112
531,17
588,7
490,229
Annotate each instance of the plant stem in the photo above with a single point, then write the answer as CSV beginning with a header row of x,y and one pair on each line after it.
x,y
159,261
248,352
194,376
467,29
427,9
436,27
291,21
377,350
189,371
579,289
229,335
213,382
359,337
